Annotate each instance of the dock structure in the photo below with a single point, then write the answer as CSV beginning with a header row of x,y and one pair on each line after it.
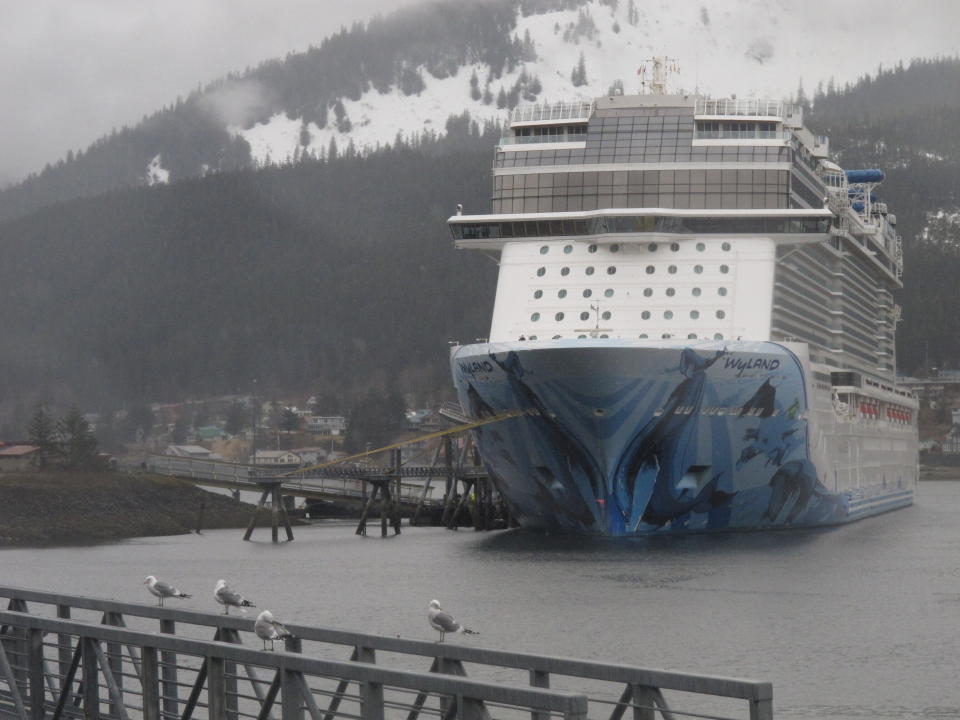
x,y
73,656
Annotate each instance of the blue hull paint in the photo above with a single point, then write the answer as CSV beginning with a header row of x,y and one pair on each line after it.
x,y
622,438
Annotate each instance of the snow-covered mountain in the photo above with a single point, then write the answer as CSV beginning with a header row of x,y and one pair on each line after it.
x,y
404,75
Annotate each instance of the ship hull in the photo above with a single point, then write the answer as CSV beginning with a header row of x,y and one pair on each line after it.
x,y
621,438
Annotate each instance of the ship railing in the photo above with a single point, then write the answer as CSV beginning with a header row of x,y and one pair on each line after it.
x,y
740,107
556,111
783,135
536,139
47,637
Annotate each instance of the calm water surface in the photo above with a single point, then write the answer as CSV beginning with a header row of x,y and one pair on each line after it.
x,y
860,621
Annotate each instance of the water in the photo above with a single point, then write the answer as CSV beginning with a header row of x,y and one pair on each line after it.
x,y
859,621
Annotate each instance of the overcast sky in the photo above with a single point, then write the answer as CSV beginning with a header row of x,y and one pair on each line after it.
x,y
72,70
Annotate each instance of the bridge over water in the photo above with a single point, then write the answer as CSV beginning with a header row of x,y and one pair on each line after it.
x,y
67,656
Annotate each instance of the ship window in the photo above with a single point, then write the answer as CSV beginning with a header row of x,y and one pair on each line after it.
x,y
666,336
584,315
651,269
606,315
558,317
592,248
652,247
692,336
724,268
612,270
643,336
588,292
694,314
721,314
718,336
589,270
725,246
581,337
671,292
555,337
672,269
533,337
721,291
645,315
564,271
604,335
538,294
668,314
698,269
701,247
695,292
567,249
541,272
561,293
675,247
647,292
535,317
608,292
614,248
544,250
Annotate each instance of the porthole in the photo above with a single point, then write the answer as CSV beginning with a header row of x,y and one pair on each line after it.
x,y
721,314
606,315
665,336
695,292
567,249
561,293
604,335
672,269
647,292
724,269
589,270
721,291
671,292
701,247
557,337
591,248
544,249
564,271
608,292
651,269
692,336
718,336
675,247
538,294
694,314
584,315
645,315
588,292
643,336
533,337
725,247
558,317
612,270
581,337
535,317
698,269
668,314
652,247
614,248
541,272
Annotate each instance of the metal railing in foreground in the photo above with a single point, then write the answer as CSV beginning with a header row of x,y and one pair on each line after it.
x,y
610,689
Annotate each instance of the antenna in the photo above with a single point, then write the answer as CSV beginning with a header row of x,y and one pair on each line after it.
x,y
654,74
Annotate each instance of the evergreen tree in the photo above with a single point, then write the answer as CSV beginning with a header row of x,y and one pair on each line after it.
x,y
180,430
78,446
502,98
42,432
289,420
236,418
487,95
579,75
475,93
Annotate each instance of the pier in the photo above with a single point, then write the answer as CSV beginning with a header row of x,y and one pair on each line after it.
x,y
72,656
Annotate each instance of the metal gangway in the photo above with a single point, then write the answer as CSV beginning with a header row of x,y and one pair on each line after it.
x,y
68,656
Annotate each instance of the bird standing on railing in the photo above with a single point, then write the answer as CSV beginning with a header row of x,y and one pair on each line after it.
x,y
230,598
162,590
267,628
444,623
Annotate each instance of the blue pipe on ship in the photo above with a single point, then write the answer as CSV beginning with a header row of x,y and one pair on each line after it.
x,y
864,176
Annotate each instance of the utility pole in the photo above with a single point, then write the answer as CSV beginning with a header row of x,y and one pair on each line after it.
x,y
253,447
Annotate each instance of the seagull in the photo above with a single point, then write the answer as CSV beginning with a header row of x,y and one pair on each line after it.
x,y
269,629
227,597
162,590
444,623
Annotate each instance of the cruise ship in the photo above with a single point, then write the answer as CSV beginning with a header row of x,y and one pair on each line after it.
x,y
694,324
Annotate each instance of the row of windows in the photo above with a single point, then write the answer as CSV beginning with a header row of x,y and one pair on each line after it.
x,y
641,336
699,201
647,292
647,154
612,270
615,247
645,315
703,176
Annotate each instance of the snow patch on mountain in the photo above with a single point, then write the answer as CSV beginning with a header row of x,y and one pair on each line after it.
x,y
156,173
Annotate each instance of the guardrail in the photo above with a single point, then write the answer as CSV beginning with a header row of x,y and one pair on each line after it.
x,y
556,111
610,689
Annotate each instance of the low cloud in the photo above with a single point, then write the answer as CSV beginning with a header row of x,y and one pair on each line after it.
x,y
236,102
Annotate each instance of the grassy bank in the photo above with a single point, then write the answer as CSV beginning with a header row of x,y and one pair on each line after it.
x,y
53,508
